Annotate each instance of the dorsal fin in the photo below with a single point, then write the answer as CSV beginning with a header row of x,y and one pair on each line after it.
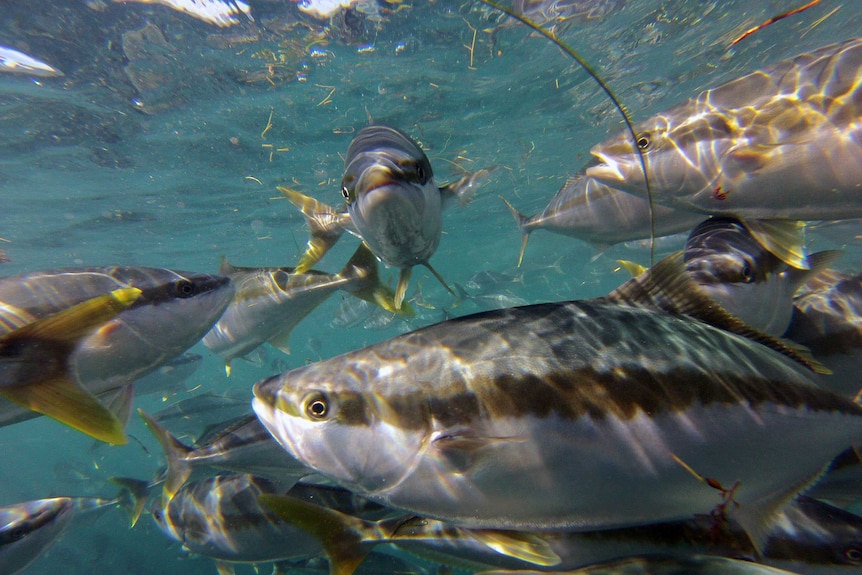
x,y
667,286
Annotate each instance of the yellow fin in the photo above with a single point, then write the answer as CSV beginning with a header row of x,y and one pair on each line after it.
x,y
176,454
45,386
325,224
76,322
522,222
634,269
67,402
341,535
527,547
362,269
401,288
785,239
138,491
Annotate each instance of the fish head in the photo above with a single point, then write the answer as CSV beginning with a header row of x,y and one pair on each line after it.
x,y
27,529
174,311
391,196
735,270
324,415
682,150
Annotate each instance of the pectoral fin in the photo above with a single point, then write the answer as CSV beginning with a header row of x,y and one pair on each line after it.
x,y
341,535
785,239
67,402
523,546
464,451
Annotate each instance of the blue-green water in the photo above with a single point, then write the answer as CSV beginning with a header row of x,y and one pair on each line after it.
x,y
153,152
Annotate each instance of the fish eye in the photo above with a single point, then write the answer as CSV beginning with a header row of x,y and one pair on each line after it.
x,y
345,192
184,289
643,141
747,275
420,174
853,555
317,406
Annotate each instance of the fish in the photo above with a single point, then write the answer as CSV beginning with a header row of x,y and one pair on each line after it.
x,y
193,415
170,312
827,319
585,415
780,143
809,535
269,302
660,565
600,215
747,280
241,518
28,529
16,62
242,446
171,377
392,201
222,13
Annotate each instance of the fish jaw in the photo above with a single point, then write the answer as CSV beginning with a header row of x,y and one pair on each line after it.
x,y
400,221
336,445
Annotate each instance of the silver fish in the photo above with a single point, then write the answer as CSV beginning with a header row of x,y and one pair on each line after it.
x,y
28,529
393,204
659,565
171,313
270,302
241,518
598,214
242,446
779,143
20,63
827,319
586,415
747,280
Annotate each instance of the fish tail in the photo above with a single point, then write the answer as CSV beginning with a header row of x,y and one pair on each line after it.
x,y
179,469
133,496
342,536
40,351
364,282
325,227
523,224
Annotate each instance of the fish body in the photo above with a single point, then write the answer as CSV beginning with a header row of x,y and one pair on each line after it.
x,y
827,319
393,203
662,565
220,517
589,210
20,63
169,378
784,142
270,302
241,446
745,278
171,313
28,529
567,415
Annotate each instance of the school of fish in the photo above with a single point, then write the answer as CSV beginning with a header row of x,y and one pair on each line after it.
x,y
704,417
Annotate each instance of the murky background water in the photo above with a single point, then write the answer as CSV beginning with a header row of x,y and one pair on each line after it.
x,y
152,149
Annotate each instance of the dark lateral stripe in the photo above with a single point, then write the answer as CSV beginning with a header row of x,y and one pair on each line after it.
x,y
622,393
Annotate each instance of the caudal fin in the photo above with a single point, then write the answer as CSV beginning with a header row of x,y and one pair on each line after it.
x,y
522,222
325,226
176,454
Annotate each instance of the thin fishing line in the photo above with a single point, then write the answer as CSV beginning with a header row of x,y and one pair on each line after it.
x,y
629,124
